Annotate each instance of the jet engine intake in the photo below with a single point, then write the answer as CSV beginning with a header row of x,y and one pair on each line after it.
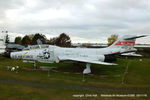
x,y
109,58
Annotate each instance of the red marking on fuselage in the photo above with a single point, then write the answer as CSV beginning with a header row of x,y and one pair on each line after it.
x,y
116,52
126,43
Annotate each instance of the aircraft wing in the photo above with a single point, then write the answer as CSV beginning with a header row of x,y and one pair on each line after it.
x,y
86,60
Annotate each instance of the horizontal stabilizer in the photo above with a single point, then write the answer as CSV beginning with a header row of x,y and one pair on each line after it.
x,y
130,38
131,54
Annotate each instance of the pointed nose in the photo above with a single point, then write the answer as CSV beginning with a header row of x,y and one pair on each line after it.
x,y
15,55
12,55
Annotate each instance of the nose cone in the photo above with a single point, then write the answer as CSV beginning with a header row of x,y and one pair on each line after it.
x,y
2,51
12,55
15,55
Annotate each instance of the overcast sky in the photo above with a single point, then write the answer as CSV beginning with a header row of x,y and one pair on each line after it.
x,y
82,20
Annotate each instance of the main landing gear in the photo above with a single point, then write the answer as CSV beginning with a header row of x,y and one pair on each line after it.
x,y
87,70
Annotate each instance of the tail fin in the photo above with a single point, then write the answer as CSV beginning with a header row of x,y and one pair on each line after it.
x,y
2,38
126,42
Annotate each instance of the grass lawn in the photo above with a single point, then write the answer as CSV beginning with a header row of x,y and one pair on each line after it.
x,y
137,78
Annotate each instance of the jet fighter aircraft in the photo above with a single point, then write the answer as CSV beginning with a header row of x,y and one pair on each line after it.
x,y
89,56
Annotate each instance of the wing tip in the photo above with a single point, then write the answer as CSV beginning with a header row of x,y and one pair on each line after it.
x,y
113,64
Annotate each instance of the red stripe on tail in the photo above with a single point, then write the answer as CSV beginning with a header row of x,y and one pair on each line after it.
x,y
126,43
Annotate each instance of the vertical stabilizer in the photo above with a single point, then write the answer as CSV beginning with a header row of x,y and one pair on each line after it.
x,y
125,43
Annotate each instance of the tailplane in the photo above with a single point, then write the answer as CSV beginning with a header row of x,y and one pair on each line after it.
x,y
126,43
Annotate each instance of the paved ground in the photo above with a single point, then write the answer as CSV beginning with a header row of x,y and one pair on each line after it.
x,y
138,90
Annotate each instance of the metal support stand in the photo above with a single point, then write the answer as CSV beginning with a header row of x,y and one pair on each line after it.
x,y
83,78
125,73
34,64
48,74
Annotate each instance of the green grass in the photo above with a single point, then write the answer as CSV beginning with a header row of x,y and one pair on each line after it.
x,y
137,78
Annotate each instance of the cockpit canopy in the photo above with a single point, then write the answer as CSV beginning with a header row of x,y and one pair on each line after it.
x,y
36,47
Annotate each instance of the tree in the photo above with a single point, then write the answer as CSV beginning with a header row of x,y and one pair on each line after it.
x,y
18,40
37,37
63,40
31,36
26,41
7,39
112,39
52,41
